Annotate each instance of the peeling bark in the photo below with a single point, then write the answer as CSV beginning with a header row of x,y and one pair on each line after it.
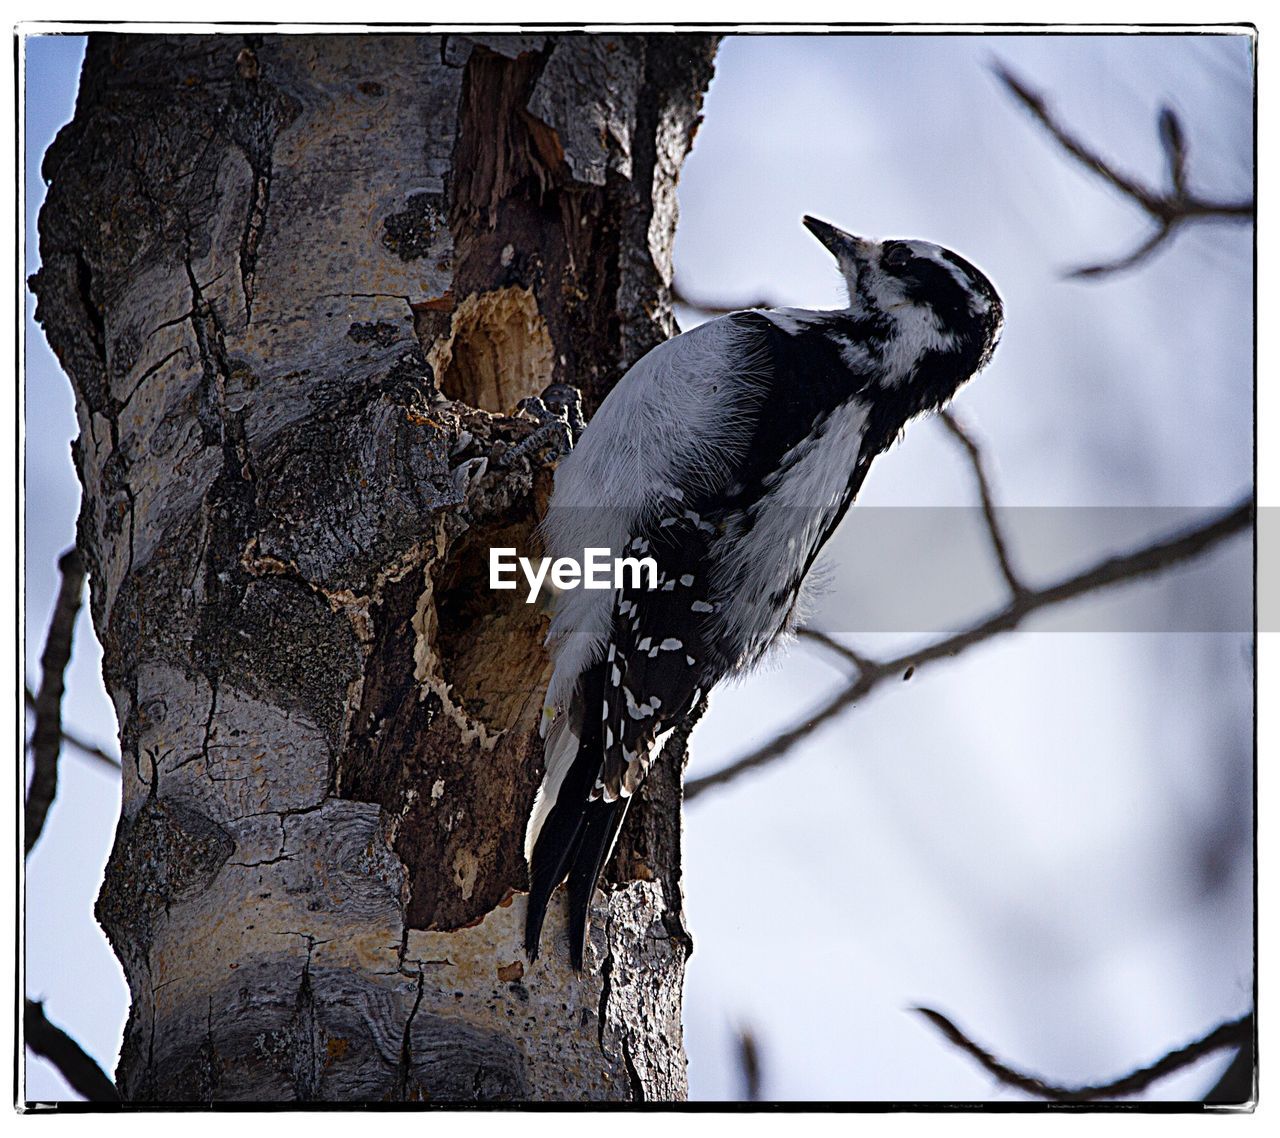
x,y
299,284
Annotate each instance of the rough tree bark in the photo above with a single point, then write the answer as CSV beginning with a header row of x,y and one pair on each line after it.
x,y
299,283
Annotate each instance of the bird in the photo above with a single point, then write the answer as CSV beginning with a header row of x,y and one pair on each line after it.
x,y
728,454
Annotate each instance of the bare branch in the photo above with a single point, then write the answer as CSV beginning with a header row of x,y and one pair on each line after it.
x,y
857,659
1168,209
1129,260
81,1072
46,739
1239,1082
1132,566
1238,1033
1174,141
749,1064
714,307
781,743
92,750
1091,159
998,544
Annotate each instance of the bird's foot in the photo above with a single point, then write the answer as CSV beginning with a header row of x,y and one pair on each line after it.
x,y
559,414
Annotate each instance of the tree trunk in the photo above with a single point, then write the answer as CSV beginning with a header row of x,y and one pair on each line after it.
x,y
299,284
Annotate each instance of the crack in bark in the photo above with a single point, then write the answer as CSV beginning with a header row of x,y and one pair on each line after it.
x,y
230,503
606,989
606,993
156,757
215,367
97,325
211,1055
288,812
203,753
155,367
266,861
255,222
306,1064
633,1073
208,723
101,402
129,496
406,1046
255,115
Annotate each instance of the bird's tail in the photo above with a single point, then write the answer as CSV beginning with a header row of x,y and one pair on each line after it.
x,y
570,835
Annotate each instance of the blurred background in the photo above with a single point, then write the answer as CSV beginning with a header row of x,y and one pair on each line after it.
x,y
1049,837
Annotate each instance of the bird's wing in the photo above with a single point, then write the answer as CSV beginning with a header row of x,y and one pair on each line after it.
x,y
653,679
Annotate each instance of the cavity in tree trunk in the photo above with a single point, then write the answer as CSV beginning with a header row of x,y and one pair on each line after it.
x,y
299,284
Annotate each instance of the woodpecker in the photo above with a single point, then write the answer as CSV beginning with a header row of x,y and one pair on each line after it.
x,y
729,454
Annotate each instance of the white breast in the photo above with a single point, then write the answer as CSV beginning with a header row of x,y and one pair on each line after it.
x,y
789,521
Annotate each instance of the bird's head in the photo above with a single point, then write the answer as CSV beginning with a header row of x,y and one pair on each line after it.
x,y
929,299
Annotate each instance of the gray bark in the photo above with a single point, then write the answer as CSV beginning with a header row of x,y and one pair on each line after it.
x,y
298,282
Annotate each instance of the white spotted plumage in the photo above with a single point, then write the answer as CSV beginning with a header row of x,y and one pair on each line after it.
x,y
699,392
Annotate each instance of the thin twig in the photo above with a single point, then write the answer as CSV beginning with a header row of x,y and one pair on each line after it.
x,y
781,743
46,739
1174,142
1132,259
749,1064
1132,566
92,750
854,657
999,545
1235,1034
1168,209
713,307
81,1072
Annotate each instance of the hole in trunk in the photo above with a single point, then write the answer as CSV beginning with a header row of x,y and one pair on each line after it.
x,y
491,653
499,351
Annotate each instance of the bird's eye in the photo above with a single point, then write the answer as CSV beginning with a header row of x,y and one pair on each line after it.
x,y
896,256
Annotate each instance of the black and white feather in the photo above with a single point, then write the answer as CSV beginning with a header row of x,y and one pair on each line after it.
x,y
729,454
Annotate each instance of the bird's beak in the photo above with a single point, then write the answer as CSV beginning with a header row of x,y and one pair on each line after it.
x,y
837,241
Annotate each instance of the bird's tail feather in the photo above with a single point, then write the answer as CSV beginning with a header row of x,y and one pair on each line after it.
x,y
600,826
569,834
553,857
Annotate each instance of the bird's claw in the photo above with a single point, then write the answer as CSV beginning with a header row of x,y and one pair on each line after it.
x,y
559,414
